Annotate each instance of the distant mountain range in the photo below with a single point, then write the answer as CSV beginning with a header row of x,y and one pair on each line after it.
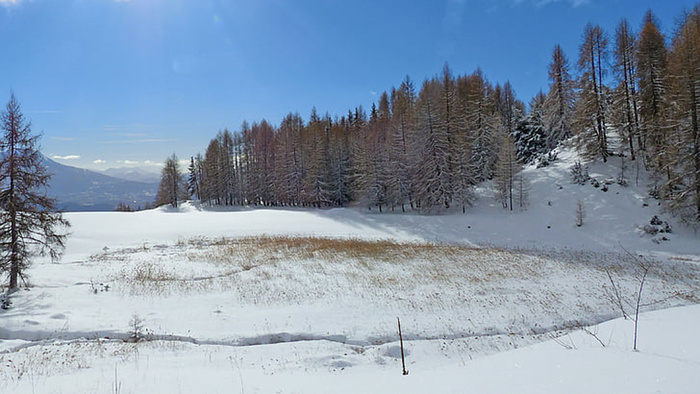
x,y
133,174
78,189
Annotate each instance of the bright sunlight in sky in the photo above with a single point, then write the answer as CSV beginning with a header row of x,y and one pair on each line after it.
x,y
113,83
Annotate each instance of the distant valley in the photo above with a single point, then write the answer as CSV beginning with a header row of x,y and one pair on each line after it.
x,y
78,189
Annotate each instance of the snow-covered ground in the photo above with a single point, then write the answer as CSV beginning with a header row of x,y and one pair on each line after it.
x,y
293,300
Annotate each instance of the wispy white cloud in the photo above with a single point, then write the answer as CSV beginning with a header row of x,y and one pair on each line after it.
x,y
99,161
69,157
536,3
138,141
128,162
44,111
7,3
63,138
542,3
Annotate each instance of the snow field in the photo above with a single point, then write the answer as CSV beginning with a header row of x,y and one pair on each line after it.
x,y
316,306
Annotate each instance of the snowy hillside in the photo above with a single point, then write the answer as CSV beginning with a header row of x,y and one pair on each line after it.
x,y
293,300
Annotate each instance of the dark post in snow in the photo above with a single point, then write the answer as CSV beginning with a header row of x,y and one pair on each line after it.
x,y
403,359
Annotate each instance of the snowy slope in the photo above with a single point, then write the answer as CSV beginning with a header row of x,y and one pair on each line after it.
x,y
613,219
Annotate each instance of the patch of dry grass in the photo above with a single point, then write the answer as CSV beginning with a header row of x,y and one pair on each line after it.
x,y
270,270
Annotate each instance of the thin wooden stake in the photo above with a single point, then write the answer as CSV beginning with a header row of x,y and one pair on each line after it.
x,y
403,359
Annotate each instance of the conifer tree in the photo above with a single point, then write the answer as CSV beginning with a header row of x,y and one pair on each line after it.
x,y
506,173
625,95
559,105
651,73
28,218
340,162
290,174
402,146
433,189
212,184
684,91
316,184
510,110
591,104
171,188
529,136
194,179
481,122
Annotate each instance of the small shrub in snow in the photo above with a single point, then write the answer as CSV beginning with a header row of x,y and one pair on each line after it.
x,y
98,287
649,229
546,161
5,302
654,192
657,226
579,174
136,329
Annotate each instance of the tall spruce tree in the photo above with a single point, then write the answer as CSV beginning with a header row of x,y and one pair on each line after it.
x,y
29,222
559,105
194,178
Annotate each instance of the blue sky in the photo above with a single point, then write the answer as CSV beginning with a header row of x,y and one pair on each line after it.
x,y
111,83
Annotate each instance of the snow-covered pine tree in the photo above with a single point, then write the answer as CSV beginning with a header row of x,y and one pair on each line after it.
x,y
559,106
194,177
530,136
28,218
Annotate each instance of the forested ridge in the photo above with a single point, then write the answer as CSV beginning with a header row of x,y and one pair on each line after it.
x,y
425,146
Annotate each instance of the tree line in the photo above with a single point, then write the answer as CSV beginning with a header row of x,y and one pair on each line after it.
x,y
425,148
